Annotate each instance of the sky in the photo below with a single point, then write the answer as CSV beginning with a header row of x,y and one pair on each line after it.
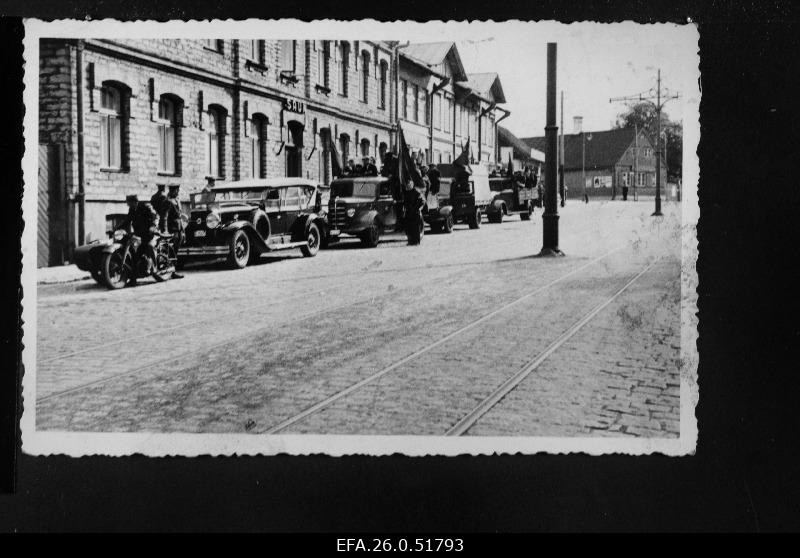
x,y
595,63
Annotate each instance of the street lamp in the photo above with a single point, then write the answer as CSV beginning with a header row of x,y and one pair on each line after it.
x,y
584,139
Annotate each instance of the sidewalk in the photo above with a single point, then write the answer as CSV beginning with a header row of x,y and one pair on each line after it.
x,y
60,274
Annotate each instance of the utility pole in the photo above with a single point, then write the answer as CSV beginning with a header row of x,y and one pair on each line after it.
x,y
648,97
562,188
550,216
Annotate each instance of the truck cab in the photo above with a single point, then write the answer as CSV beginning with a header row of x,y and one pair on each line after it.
x,y
365,207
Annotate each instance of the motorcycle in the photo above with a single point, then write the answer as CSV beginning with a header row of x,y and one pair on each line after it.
x,y
123,261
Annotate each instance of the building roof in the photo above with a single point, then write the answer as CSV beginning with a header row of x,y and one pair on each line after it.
x,y
485,84
521,149
435,54
604,149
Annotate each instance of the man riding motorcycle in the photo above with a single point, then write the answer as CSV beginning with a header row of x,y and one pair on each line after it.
x,y
142,221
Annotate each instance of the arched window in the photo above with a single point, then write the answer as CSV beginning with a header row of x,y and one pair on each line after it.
x,y
110,127
214,145
365,147
258,159
344,67
167,135
382,150
364,76
383,77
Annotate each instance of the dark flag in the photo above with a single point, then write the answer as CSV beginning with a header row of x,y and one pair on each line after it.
x,y
336,159
510,166
463,159
406,169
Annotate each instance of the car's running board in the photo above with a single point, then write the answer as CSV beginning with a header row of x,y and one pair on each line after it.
x,y
286,245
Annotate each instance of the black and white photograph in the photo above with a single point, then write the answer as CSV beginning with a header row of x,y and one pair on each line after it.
x,y
353,237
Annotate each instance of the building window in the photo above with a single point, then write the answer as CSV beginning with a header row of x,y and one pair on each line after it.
x,y
437,112
323,65
288,56
423,101
258,160
344,67
213,44
344,147
364,76
365,147
167,136
457,123
416,103
383,76
110,128
255,51
214,143
405,99
448,109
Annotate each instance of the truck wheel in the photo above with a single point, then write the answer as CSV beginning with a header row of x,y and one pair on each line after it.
x,y
448,224
239,250
371,236
475,219
312,241
496,217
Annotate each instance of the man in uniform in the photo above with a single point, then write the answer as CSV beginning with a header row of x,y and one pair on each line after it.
x,y
142,220
369,166
174,224
413,202
158,201
435,177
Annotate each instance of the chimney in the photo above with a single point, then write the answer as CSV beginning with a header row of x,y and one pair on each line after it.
x,y
577,124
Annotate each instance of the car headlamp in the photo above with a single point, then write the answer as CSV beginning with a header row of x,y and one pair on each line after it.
x,y
212,220
119,234
351,211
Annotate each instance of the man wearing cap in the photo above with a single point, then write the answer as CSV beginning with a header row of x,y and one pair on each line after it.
x,y
174,224
143,221
159,202
370,169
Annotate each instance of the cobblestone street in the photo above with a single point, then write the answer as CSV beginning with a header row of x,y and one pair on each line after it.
x,y
392,340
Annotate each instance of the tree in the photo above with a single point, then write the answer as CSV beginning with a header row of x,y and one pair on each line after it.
x,y
643,116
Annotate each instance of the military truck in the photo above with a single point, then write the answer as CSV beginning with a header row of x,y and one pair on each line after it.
x,y
468,195
511,197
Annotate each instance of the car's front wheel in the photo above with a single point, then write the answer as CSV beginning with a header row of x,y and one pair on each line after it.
x,y
371,236
239,250
313,241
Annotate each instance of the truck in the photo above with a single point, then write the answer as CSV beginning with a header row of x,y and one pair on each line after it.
x,y
467,195
511,197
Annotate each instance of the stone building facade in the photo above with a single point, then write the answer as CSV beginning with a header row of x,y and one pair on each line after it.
x,y
118,117
441,105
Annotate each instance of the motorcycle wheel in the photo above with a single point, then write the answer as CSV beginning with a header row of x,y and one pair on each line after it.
x,y
116,268
164,266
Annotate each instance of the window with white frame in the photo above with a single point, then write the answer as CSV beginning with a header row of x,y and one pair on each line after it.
x,y
258,160
364,76
448,109
255,51
167,136
416,103
423,103
344,67
324,63
213,143
383,77
437,112
404,89
213,44
288,56
110,128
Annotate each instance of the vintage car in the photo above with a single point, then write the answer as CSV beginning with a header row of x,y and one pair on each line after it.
x,y
89,257
510,197
365,207
468,196
242,220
